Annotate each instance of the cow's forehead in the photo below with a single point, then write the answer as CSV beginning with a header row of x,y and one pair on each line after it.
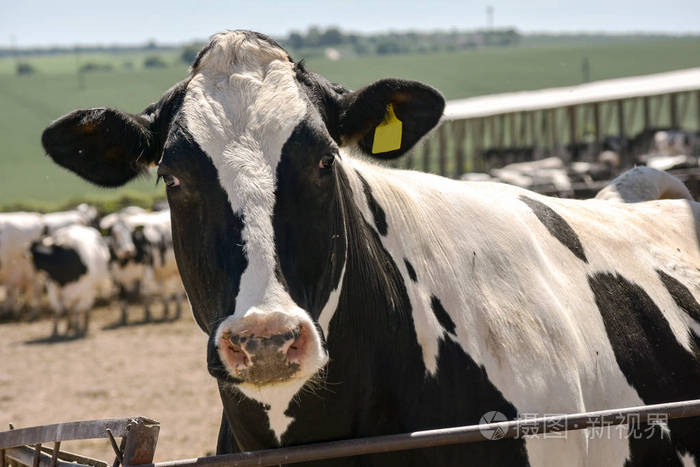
x,y
241,105
231,50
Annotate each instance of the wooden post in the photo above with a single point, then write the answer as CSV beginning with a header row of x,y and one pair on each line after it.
x,y
54,454
683,108
531,116
596,123
621,119
542,137
647,112
553,128
501,131
523,129
632,116
37,455
427,149
442,149
572,132
673,109
459,129
478,137
511,127
697,109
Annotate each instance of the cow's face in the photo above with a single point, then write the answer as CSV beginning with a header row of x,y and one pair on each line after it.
x,y
249,147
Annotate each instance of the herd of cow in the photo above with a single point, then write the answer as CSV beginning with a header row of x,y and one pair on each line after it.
x,y
572,171
73,259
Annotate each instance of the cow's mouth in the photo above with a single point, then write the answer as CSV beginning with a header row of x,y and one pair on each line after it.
x,y
269,367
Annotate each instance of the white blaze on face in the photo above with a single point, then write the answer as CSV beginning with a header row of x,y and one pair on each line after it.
x,y
241,106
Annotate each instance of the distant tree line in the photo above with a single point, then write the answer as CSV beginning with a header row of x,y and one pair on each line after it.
x,y
399,42
149,46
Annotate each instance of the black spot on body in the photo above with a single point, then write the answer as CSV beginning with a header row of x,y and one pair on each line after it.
x,y
442,316
411,271
653,362
377,211
62,264
681,295
557,226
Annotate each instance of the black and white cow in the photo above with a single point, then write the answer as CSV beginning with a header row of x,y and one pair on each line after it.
x,y
142,261
344,299
75,261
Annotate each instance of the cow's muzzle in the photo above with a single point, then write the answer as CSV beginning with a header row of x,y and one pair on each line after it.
x,y
261,353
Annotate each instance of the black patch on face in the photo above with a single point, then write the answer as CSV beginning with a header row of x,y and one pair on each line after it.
x,y
63,265
411,271
308,224
650,357
377,211
206,233
557,226
441,315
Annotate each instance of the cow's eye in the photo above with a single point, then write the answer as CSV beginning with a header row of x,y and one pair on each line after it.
x,y
171,181
326,161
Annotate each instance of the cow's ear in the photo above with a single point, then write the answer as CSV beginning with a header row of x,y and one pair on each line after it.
x,y
104,146
388,117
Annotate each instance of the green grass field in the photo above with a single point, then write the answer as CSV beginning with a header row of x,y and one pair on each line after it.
x,y
31,102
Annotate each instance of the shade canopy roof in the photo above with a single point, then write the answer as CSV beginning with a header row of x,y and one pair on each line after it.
x,y
598,91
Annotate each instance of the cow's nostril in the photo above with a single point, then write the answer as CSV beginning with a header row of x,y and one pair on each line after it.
x,y
297,346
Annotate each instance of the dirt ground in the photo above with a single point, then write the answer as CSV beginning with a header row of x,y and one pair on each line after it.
x,y
152,370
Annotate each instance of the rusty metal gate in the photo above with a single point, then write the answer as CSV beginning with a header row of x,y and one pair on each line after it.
x,y
139,437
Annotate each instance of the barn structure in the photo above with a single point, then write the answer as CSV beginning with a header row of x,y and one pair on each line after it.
x,y
574,122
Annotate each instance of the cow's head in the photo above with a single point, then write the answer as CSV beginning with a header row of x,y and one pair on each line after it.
x,y
251,148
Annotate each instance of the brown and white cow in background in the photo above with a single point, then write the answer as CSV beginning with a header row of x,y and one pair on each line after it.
x,y
344,299
22,289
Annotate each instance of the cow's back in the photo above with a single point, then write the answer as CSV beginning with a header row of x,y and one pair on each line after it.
x,y
538,291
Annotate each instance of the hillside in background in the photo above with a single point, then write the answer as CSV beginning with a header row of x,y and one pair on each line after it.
x,y
131,78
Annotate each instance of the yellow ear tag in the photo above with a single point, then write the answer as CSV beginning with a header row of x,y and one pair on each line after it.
x,y
387,135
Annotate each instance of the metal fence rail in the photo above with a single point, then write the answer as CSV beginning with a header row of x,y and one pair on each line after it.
x,y
431,438
139,437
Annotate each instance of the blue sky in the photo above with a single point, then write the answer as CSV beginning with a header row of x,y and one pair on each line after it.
x,y
70,22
